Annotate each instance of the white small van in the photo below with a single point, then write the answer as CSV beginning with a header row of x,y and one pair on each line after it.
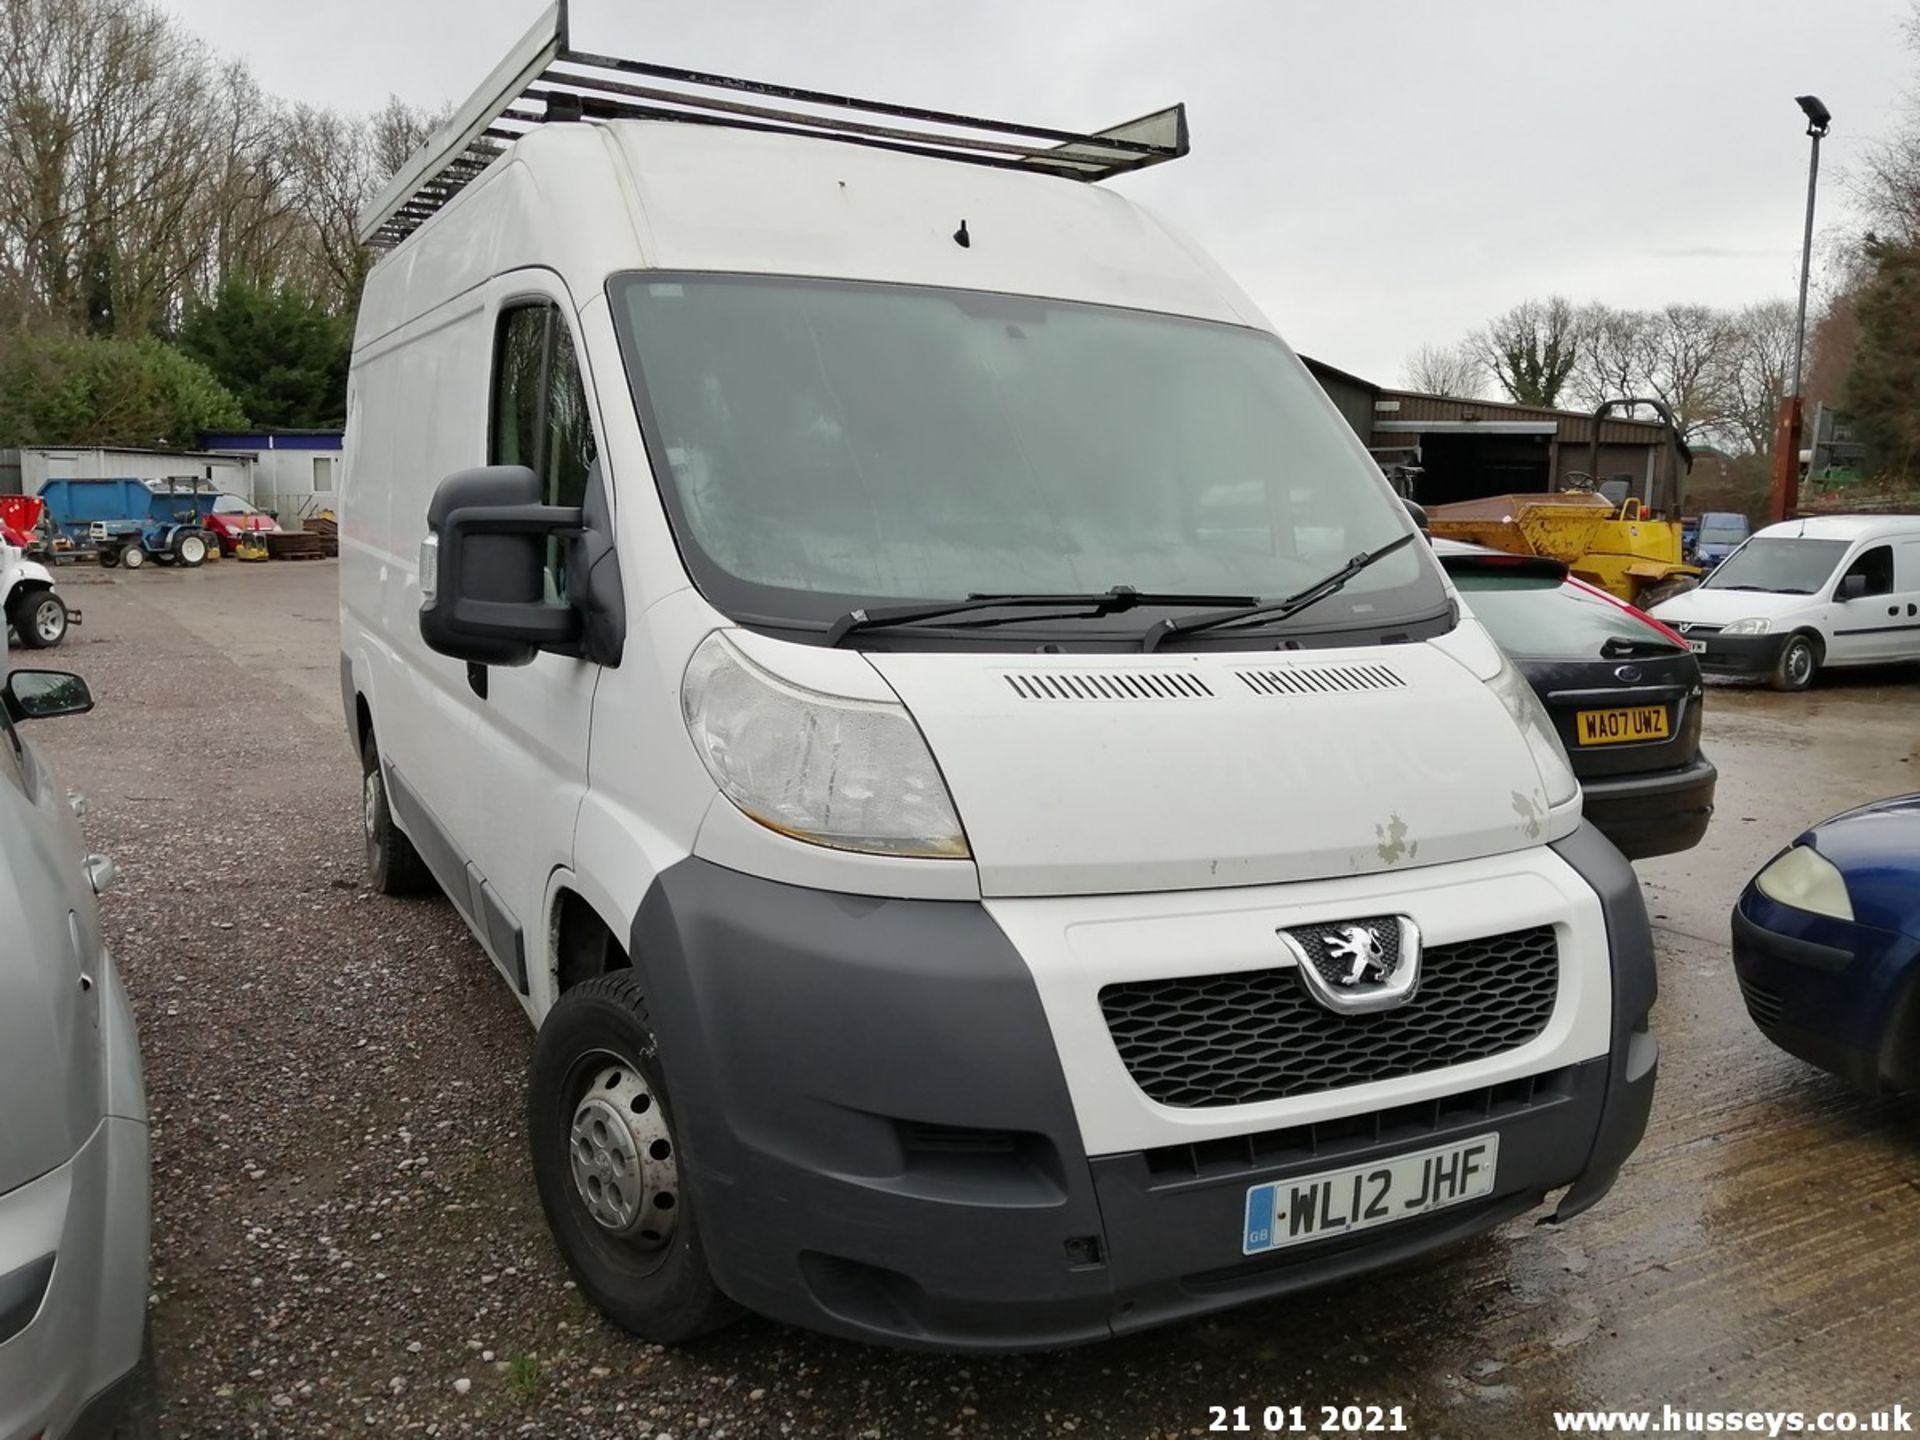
x,y
1803,595
1005,834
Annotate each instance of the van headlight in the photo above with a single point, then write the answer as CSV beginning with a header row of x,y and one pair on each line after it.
x,y
1805,879
851,774
1556,773
1752,625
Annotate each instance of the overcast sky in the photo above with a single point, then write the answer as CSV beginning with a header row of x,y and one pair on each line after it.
x,y
1377,173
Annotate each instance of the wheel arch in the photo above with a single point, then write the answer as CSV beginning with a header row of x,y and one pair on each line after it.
x,y
583,938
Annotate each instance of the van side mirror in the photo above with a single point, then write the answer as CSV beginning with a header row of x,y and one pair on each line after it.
x,y
1419,514
43,694
483,589
1851,587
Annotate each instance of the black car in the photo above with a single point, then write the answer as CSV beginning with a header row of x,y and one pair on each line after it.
x,y
1623,690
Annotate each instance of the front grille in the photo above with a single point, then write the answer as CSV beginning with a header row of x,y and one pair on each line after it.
x,y
1332,1141
1764,1005
1257,1035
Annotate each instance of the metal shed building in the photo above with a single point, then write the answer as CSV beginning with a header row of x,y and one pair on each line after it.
x,y
24,471
1471,448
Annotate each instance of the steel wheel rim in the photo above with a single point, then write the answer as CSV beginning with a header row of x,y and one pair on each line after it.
x,y
49,623
193,549
370,804
1800,662
623,1157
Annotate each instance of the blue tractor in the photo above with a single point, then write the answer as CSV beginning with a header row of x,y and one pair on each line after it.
x,y
128,522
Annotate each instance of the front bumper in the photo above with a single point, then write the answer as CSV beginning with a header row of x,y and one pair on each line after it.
x,y
878,1132
1838,995
1657,814
1742,654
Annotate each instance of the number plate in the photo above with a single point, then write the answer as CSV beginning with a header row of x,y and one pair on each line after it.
x,y
1621,727
1339,1202
1698,647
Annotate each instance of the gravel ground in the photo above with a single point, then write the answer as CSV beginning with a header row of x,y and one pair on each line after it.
x,y
347,1239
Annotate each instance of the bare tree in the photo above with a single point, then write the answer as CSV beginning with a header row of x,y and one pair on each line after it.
x,y
1450,370
1756,376
1531,350
1611,349
1690,352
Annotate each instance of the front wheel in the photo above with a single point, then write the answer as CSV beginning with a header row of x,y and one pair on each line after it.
x,y
607,1163
1799,662
40,619
133,557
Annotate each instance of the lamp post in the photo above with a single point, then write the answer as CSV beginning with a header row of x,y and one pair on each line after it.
x,y
1786,458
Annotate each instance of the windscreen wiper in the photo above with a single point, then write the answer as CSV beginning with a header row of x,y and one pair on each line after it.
x,y
1105,602
1277,609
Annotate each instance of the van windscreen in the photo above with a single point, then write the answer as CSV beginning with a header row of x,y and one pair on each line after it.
x,y
834,442
1784,566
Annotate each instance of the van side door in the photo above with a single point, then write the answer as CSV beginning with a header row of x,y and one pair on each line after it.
x,y
1863,626
1905,636
541,414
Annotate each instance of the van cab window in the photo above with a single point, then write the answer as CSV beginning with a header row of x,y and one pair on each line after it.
x,y
829,443
1875,566
540,416
1780,565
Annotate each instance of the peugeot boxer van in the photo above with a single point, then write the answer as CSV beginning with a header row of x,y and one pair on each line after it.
x,y
1005,834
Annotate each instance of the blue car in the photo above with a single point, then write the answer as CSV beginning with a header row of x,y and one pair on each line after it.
x,y
1826,944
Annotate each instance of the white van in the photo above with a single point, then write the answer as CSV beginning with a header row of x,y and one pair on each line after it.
x,y
1803,595
1006,836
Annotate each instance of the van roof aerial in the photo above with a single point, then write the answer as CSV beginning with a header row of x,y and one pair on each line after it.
x,y
543,79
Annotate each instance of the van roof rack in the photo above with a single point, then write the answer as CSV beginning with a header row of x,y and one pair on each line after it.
x,y
544,79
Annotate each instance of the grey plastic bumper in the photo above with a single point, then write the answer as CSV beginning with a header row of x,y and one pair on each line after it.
x,y
880,1140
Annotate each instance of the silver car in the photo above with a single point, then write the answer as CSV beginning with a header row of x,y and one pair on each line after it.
x,y
73,1121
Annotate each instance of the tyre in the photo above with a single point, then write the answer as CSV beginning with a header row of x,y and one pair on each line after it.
x,y
190,549
1799,662
39,617
394,867
606,1163
109,559
133,557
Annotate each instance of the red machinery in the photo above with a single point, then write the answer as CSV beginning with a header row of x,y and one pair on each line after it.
x,y
20,519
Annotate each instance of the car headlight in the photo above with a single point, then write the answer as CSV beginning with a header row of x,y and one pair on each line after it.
x,y
851,774
1752,625
1805,879
1556,774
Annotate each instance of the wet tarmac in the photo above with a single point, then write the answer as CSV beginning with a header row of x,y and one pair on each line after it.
x,y
1761,1251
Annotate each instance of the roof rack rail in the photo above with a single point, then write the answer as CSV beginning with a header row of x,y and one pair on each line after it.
x,y
543,79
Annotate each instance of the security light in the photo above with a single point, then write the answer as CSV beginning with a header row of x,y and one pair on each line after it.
x,y
1818,116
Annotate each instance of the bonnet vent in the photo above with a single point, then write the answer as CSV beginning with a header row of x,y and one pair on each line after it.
x,y
1118,685
1321,679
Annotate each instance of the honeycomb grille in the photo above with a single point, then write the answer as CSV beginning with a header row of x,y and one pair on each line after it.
x,y
1257,1035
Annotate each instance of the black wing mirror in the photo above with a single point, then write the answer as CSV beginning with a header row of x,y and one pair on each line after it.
x,y
1851,587
483,584
43,694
